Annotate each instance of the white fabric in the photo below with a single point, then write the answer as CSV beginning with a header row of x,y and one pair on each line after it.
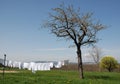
x,y
25,65
34,66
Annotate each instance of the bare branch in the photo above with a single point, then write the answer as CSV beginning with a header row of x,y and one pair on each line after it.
x,y
96,54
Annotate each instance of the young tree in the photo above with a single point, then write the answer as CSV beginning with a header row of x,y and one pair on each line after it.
x,y
69,23
96,54
109,63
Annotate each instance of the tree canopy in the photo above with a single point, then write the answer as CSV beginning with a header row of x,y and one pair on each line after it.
x,y
69,23
109,63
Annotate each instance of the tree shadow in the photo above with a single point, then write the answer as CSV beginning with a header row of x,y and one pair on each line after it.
x,y
99,77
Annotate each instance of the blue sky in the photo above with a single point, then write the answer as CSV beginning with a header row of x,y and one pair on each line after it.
x,y
23,39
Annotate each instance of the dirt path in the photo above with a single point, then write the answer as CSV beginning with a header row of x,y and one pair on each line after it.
x,y
9,71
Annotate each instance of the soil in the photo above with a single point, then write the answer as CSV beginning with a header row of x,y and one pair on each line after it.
x,y
9,71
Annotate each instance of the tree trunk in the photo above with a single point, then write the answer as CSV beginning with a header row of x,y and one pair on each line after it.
x,y
109,68
80,65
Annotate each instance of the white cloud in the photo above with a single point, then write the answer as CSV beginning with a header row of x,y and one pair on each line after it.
x,y
113,50
52,49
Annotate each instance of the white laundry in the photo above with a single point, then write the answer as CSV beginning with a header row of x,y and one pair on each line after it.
x,y
33,66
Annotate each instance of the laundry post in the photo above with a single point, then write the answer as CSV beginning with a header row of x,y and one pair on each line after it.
x,y
4,64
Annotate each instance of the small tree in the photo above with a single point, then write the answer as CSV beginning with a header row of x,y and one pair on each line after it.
x,y
109,63
96,54
70,24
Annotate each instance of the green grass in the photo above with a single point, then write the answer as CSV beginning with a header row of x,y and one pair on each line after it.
x,y
59,77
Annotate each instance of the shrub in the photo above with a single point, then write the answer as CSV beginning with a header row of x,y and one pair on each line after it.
x,y
109,63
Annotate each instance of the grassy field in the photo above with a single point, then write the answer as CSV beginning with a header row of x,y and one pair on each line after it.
x,y
59,77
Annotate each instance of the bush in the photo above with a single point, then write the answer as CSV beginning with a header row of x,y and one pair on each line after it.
x,y
109,63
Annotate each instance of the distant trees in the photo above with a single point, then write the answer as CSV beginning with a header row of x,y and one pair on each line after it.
x,y
109,63
96,54
71,24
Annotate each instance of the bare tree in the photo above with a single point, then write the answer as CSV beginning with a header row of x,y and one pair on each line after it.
x,y
96,54
70,24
